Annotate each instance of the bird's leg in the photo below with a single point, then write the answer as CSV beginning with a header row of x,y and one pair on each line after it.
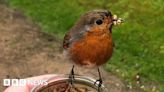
x,y
99,80
72,75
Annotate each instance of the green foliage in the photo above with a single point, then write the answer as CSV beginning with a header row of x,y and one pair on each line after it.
x,y
139,41
55,16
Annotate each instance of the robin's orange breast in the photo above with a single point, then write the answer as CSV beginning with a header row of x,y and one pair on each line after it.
x,y
92,50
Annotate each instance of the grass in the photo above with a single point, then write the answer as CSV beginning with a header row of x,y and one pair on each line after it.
x,y
139,41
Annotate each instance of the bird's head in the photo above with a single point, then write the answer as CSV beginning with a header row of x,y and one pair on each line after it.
x,y
99,20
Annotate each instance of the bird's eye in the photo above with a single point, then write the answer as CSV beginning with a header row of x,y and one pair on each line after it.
x,y
99,21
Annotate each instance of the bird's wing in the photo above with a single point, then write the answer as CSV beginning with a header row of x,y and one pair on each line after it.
x,y
66,40
73,36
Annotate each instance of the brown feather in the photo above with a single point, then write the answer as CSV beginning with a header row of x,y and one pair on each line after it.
x,y
93,50
92,47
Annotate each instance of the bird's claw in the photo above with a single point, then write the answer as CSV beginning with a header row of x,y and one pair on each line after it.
x,y
99,82
71,76
71,79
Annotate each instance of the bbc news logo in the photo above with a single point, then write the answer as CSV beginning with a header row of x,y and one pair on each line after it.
x,y
23,82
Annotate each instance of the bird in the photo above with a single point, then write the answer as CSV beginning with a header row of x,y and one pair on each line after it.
x,y
89,42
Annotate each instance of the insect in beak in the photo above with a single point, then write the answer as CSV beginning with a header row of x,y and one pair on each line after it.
x,y
116,20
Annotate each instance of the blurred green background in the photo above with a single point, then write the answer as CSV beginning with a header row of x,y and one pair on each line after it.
x,y
139,41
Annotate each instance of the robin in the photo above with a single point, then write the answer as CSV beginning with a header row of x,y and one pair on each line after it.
x,y
89,42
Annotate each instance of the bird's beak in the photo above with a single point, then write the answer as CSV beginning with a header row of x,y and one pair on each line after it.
x,y
116,20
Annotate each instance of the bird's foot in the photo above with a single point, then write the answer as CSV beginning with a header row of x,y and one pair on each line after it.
x,y
71,76
99,83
